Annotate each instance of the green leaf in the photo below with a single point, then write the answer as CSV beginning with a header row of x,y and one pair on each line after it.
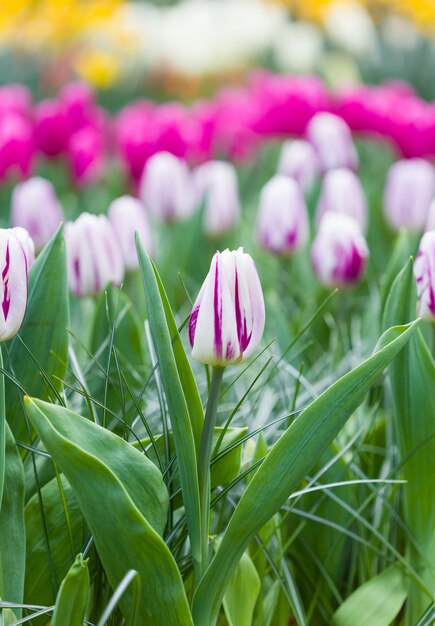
x,y
177,405
376,603
288,462
242,593
412,375
12,531
43,338
73,596
123,499
55,533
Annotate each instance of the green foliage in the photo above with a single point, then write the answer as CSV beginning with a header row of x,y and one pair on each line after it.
x,y
73,596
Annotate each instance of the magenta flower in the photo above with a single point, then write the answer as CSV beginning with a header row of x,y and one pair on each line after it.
x,y
227,320
339,253
342,192
424,272
17,148
94,256
13,284
36,208
127,215
52,128
282,223
86,155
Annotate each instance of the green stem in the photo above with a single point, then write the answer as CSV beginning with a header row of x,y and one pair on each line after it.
x,y
204,461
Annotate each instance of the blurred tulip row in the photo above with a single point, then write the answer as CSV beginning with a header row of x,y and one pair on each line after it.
x,y
235,124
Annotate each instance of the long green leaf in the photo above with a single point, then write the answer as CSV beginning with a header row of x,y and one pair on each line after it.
x,y
177,405
241,594
287,464
12,531
412,378
122,497
376,602
43,338
73,596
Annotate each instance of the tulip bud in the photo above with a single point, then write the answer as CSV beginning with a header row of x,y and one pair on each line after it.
x,y
331,138
298,159
339,252
227,320
342,192
13,290
36,208
409,190
424,272
166,187
26,243
216,185
282,224
94,256
127,215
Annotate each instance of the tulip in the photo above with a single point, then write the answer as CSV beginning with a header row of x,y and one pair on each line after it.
x,y
331,138
282,224
26,243
36,208
409,190
166,188
227,319
424,272
342,192
86,155
216,185
298,160
94,256
339,252
13,290
17,148
15,99
127,215
430,222
52,129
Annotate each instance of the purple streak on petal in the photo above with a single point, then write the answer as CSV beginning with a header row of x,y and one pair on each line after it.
x,y
192,323
217,310
5,277
242,331
230,352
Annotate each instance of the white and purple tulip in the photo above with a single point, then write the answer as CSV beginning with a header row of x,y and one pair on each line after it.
x,y
227,321
342,192
36,208
13,284
282,222
409,191
216,185
94,256
167,188
127,215
430,221
339,253
298,160
26,243
332,140
424,272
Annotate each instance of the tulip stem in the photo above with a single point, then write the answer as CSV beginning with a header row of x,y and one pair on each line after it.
x,y
204,461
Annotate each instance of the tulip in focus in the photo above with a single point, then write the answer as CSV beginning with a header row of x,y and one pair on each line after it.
x,y
94,256
127,215
36,208
409,190
332,140
424,272
13,290
26,243
227,320
282,224
342,192
167,188
216,185
339,253
298,160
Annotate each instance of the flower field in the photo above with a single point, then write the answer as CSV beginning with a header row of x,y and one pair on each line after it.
x,y
217,338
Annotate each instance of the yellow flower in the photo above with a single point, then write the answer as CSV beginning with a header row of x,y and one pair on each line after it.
x,y
101,68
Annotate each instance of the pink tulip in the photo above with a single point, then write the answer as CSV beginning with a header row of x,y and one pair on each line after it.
x,y
17,149
86,155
